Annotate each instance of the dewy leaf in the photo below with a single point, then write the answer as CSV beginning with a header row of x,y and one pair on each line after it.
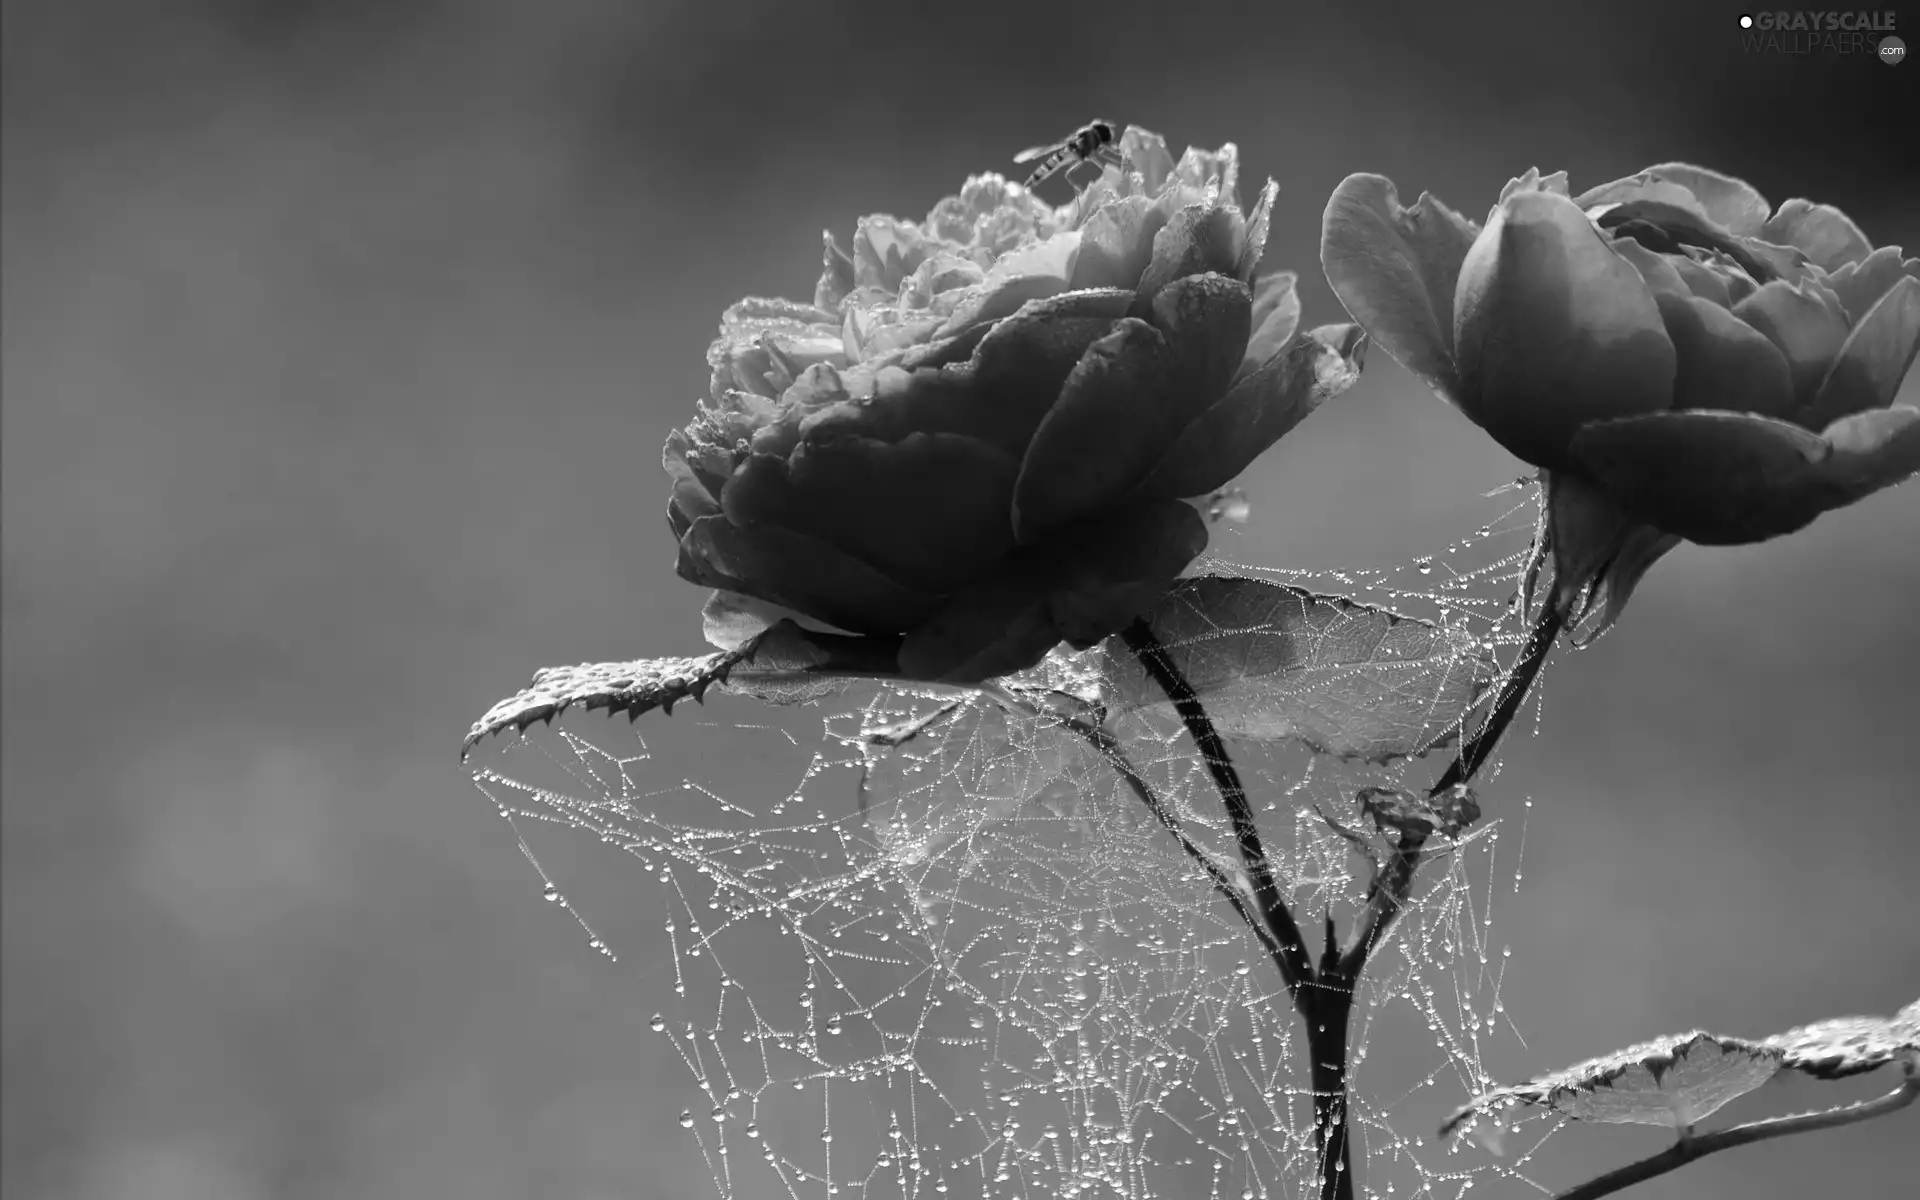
x,y
1674,1081
1850,1045
1677,1081
1273,662
785,664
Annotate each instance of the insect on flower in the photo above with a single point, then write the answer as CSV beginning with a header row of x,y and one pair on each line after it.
x,y
1091,143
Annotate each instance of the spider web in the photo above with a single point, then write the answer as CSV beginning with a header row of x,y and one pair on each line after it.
x,y
960,958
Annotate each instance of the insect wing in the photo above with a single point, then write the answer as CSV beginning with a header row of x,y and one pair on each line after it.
x,y
1033,152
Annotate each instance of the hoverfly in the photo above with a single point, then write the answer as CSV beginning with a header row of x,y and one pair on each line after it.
x,y
1091,143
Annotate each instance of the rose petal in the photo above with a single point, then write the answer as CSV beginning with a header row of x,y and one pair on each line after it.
x,y
930,510
1807,327
1146,152
1703,281
1395,270
801,573
1256,234
1534,181
1731,203
1822,231
1081,587
1109,425
1720,478
1554,329
1276,314
998,397
693,489
1723,362
836,274
1116,243
1207,320
1659,272
1257,411
1197,239
1859,285
886,250
1872,450
1868,370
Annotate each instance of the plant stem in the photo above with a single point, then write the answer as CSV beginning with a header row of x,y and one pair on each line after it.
x,y
1296,967
1323,998
1688,1149
1477,747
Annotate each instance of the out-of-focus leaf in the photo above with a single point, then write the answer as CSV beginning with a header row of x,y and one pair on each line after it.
x,y
1677,1081
1273,662
784,664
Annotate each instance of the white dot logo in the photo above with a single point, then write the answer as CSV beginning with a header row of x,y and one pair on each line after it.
x,y
1746,22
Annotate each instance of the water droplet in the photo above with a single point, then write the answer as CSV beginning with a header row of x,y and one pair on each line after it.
x,y
686,1119
551,895
753,1131
833,1023
718,1114
658,1024
1425,565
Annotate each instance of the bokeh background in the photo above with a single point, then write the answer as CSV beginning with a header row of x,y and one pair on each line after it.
x,y
340,341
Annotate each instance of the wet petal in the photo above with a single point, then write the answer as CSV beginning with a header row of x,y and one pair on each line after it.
x,y
1733,204
1821,231
1197,239
1001,394
693,487
1206,320
1859,285
1109,425
1257,411
1276,314
1723,362
930,510
1256,233
1116,244
1554,330
1395,270
1806,325
1081,587
1875,358
836,274
801,573
1721,478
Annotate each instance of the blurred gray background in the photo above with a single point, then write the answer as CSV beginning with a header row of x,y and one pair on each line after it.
x,y
340,341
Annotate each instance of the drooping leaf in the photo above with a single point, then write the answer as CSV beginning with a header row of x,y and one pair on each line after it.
x,y
784,664
1673,1081
1272,662
1677,1081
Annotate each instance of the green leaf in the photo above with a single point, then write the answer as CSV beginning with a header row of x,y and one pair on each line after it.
x,y
1272,662
1678,1081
